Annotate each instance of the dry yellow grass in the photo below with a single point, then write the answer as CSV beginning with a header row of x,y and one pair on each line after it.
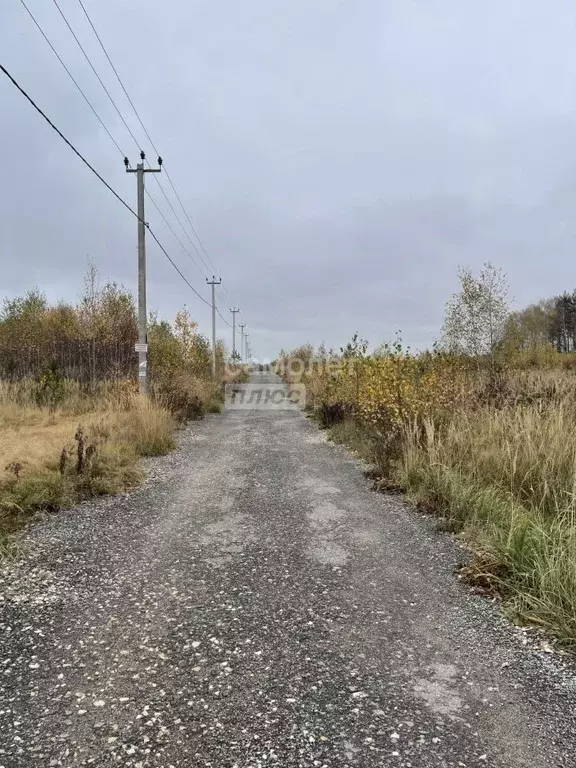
x,y
34,437
528,452
37,441
118,427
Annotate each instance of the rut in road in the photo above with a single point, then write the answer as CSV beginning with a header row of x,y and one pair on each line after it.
x,y
256,604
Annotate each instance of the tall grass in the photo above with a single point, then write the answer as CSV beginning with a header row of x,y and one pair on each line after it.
x,y
506,477
148,428
39,451
526,452
39,443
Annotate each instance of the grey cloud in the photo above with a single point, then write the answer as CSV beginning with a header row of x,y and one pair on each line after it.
x,y
339,159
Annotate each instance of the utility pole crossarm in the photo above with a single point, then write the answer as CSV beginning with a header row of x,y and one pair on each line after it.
x,y
142,347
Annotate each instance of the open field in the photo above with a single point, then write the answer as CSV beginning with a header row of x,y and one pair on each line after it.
x,y
88,445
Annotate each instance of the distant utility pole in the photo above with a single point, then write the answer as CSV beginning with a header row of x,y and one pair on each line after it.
x,y
142,346
214,283
242,326
246,347
234,313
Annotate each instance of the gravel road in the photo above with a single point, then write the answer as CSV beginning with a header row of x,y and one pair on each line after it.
x,y
257,604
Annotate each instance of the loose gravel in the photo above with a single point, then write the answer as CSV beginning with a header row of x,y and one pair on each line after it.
x,y
257,604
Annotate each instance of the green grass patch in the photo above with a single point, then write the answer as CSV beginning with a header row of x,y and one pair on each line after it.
x,y
526,557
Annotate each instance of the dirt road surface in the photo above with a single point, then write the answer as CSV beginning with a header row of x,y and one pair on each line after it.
x,y
257,604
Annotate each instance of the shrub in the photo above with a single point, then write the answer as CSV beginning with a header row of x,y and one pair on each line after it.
x,y
184,396
50,390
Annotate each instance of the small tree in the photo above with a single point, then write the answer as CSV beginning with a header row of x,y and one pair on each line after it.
x,y
475,318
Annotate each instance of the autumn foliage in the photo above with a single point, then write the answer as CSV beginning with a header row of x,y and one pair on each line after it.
x,y
88,342
92,342
385,391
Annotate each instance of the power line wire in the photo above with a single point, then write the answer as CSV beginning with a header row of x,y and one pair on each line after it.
x,y
190,222
171,228
228,295
223,318
136,142
179,220
98,176
107,92
209,266
72,147
207,262
93,68
71,76
165,252
109,59
117,75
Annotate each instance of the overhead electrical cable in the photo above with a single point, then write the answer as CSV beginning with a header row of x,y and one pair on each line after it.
x,y
93,68
100,178
223,318
108,132
136,142
71,76
171,228
206,261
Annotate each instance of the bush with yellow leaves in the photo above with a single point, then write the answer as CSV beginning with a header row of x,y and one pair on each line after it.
x,y
387,390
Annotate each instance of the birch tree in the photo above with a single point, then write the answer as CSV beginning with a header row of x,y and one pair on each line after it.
x,y
475,316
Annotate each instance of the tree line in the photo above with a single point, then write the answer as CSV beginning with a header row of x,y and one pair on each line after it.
x,y
93,339
550,321
479,322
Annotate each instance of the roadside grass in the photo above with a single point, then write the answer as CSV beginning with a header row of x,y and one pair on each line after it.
x,y
52,460
89,445
8,547
357,438
186,397
503,478
520,555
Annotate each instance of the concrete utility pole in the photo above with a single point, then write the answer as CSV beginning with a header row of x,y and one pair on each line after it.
x,y
242,326
246,348
214,283
142,346
234,313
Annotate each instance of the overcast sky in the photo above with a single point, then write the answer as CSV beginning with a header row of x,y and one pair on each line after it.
x,y
339,158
